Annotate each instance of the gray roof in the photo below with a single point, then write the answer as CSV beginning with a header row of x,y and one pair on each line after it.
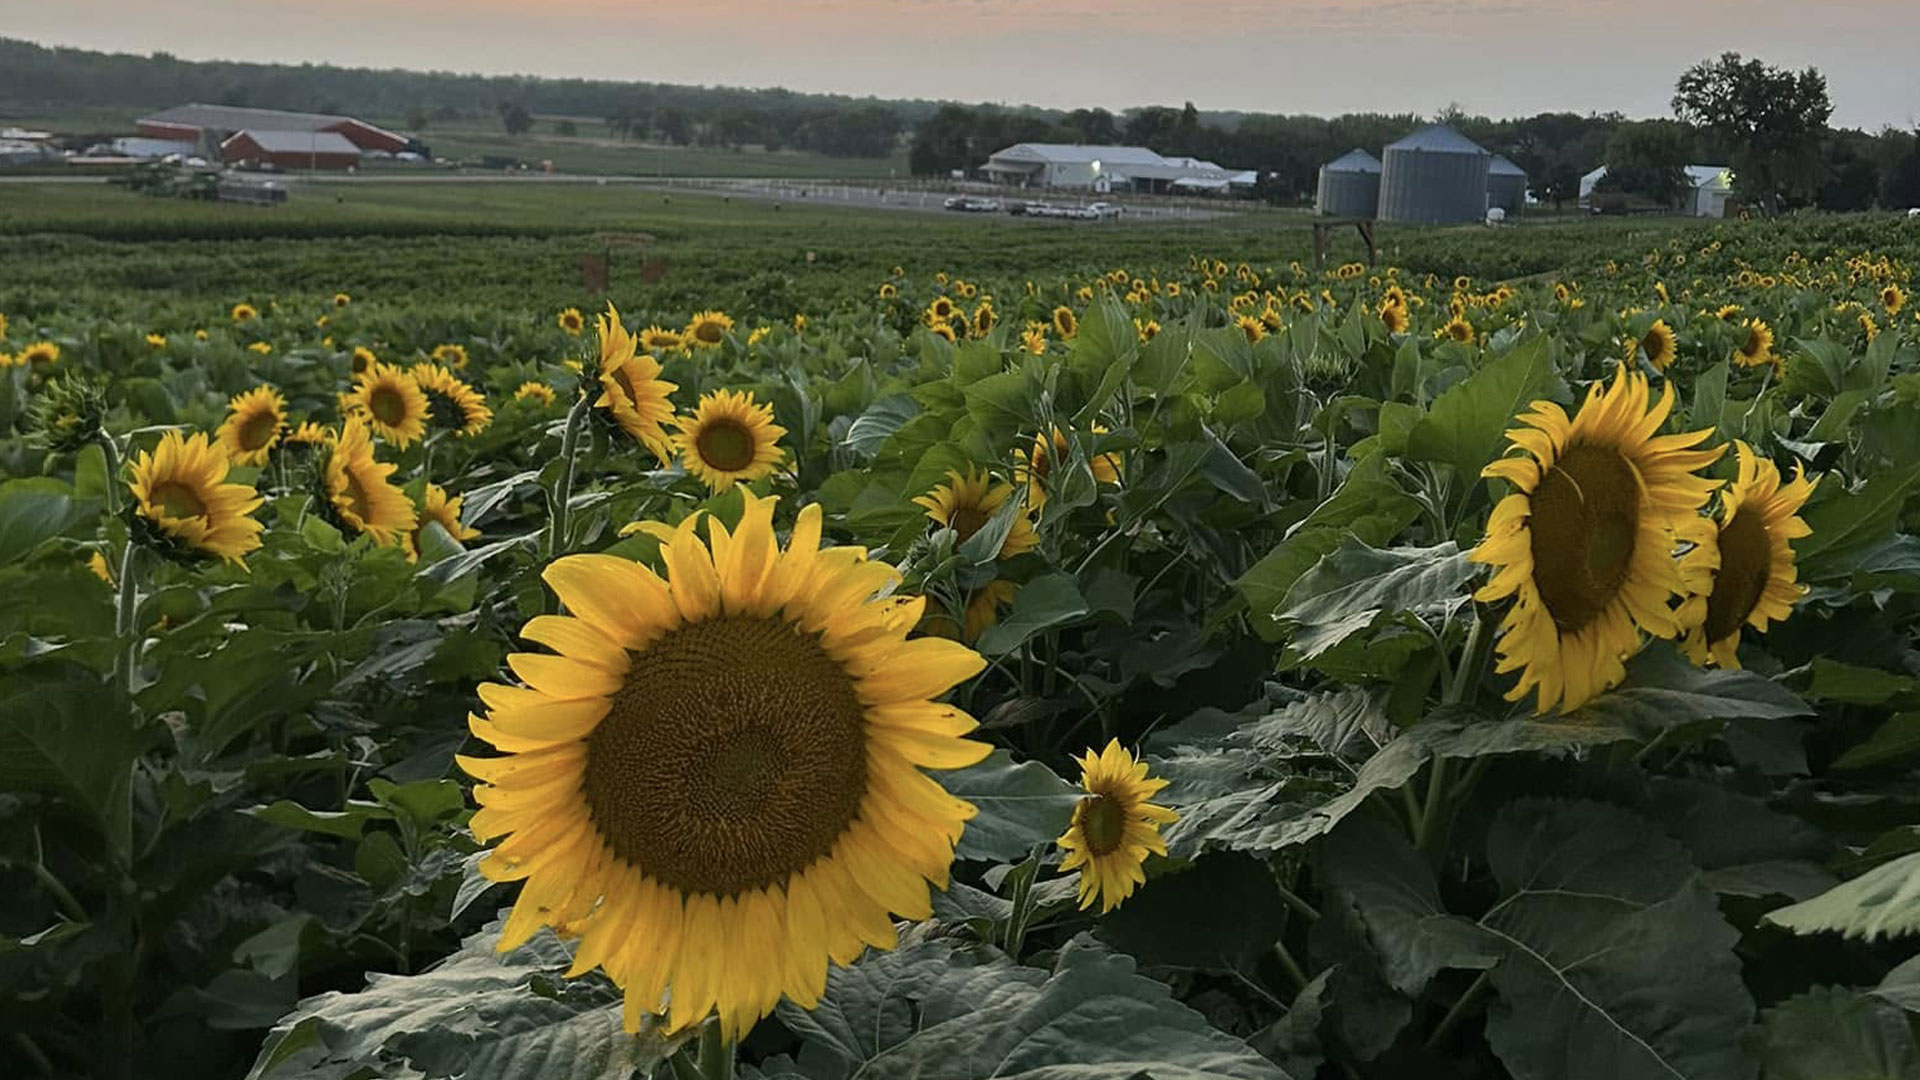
x,y
235,118
1500,166
1064,153
300,142
1438,139
1357,161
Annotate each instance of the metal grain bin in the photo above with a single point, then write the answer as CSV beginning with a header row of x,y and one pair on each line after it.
x,y
1434,176
1506,185
1350,186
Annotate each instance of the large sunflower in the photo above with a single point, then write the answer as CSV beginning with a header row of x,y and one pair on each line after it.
x,y
1742,571
392,404
451,403
729,439
1658,343
437,507
708,329
1757,347
253,425
966,503
1585,543
359,491
1033,467
180,487
717,781
1114,827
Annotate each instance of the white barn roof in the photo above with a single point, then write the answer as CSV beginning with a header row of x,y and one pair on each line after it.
x,y
1069,154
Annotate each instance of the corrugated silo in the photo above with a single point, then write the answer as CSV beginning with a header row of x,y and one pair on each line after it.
x,y
1434,176
1506,185
1350,186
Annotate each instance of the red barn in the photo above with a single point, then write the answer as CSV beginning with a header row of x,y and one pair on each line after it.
x,y
291,150
210,126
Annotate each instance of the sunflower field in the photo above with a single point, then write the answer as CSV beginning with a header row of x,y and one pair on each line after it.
x,y
1187,668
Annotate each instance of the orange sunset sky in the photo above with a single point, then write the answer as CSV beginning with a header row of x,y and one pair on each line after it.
x,y
1500,57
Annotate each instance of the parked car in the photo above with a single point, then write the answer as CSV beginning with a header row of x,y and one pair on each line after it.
x,y
1029,208
972,204
1105,209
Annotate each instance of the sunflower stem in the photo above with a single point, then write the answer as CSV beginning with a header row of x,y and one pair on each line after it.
x,y
563,486
126,613
112,453
1458,1012
1291,965
716,1053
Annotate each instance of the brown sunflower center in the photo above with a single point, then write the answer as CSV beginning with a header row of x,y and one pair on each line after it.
x,y
1754,345
968,518
1585,517
725,445
257,432
709,332
355,495
387,405
443,409
733,758
1104,822
1746,559
360,362
177,500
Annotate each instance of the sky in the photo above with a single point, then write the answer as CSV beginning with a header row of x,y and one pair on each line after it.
x,y
1495,57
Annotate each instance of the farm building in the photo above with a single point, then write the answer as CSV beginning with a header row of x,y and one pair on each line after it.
x,y
1506,185
1350,186
1710,188
291,149
208,127
1434,176
1111,168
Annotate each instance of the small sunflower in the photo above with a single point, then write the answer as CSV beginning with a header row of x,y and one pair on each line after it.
x,y
1065,323
983,320
97,563
939,311
716,780
659,339
451,403
1893,298
984,607
260,347
966,503
632,390
1757,347
341,299
1395,317
1659,345
1252,327
1034,340
1585,542
1728,312
438,508
1147,330
363,358
307,436
572,322
359,491
253,425
40,352
199,335
453,356
538,392
729,440
799,322
1114,827
1741,571
158,341
1032,468
943,331
392,403
1457,329
708,329
180,487
244,313
888,290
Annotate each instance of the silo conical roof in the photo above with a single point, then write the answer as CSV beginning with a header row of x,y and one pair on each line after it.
x,y
1438,139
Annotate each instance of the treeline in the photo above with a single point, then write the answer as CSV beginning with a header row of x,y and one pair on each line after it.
x,y
35,78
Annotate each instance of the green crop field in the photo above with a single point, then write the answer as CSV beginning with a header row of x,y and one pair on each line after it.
x,y
900,645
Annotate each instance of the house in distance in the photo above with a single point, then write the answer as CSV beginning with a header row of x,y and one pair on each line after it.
x,y
1112,168
284,140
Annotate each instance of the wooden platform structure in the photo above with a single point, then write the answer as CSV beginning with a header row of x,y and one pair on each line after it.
x,y
1323,229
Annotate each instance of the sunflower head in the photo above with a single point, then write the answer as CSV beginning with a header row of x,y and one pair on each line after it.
x,y
1457,329
1252,327
939,311
1893,298
572,321
967,503
40,352
260,347
187,508
358,491
341,300
1584,543
244,313
437,508
68,413
943,331
1756,347
1034,340
253,425
538,393
1033,468
729,439
708,329
393,404
158,341
715,779
451,403
659,339
1740,569
888,290
453,356
983,320
1115,827
1658,344
1147,330
363,360
306,438
1065,324
1395,318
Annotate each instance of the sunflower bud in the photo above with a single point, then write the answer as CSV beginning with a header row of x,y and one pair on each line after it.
x,y
67,414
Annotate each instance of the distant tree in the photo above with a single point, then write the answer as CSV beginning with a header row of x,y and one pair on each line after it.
x,y
1649,159
1769,119
1451,114
673,124
566,128
515,118
942,142
1900,168
1154,126
417,119
1096,126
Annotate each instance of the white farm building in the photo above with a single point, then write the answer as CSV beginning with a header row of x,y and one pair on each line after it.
x,y
1111,168
1710,186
